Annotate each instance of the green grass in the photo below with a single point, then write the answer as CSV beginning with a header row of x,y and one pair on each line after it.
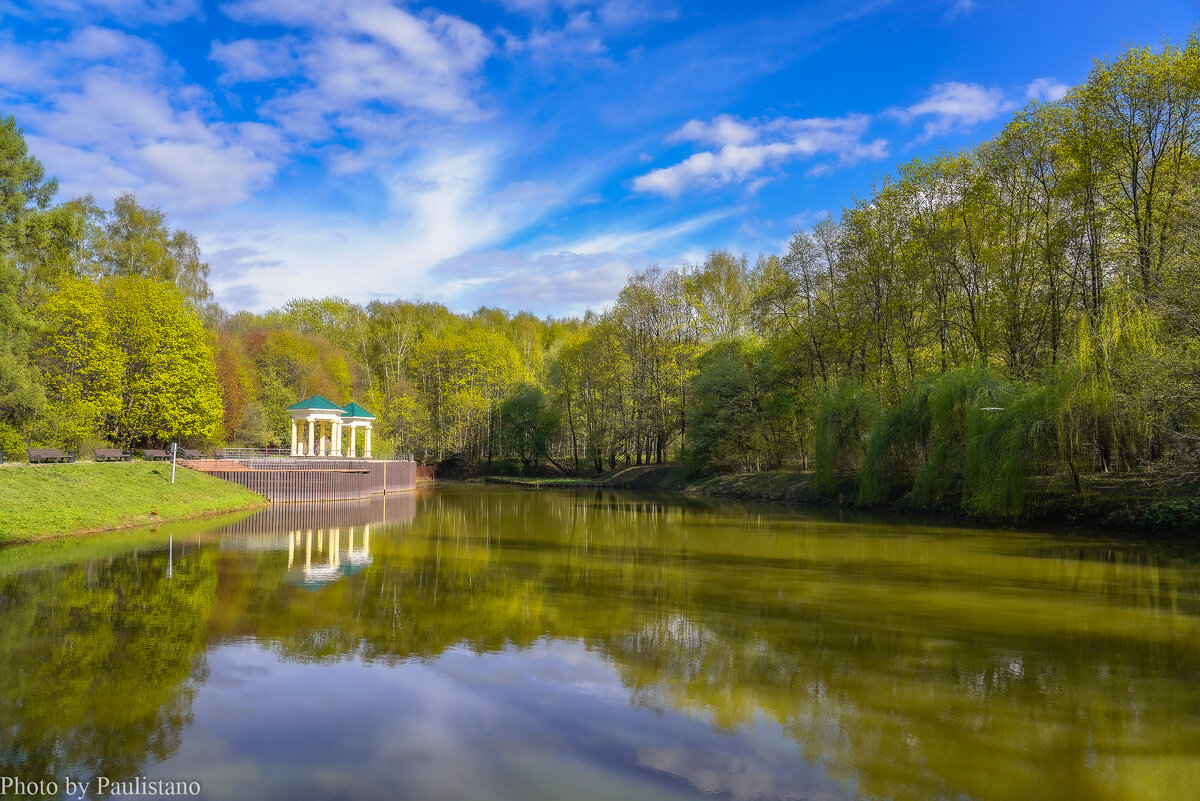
x,y
39,501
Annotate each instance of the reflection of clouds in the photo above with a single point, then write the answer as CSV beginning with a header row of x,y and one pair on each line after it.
x,y
739,776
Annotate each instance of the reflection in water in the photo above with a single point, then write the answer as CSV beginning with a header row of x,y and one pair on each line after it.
x,y
379,510
100,662
497,643
328,530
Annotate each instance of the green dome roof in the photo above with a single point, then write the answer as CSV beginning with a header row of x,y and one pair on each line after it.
x,y
315,403
354,410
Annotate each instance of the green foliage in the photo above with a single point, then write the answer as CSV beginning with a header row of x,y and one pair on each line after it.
x,y
843,420
1176,515
21,394
528,423
12,444
83,369
742,416
959,405
169,388
931,438
255,430
134,241
466,372
24,189
722,418
1028,306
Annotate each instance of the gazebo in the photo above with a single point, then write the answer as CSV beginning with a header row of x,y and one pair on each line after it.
x,y
355,417
326,424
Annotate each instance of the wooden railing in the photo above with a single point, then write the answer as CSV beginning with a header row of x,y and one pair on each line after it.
x,y
253,453
314,478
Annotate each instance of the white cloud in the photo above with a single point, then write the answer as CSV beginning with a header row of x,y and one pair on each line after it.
x,y
577,30
610,13
101,110
358,64
743,149
1046,90
723,130
443,204
962,8
635,239
953,106
549,283
128,12
255,60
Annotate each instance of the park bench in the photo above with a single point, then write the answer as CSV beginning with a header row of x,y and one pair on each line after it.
x,y
156,456
112,455
40,455
187,453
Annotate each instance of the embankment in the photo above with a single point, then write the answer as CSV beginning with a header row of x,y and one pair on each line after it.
x,y
1128,502
54,500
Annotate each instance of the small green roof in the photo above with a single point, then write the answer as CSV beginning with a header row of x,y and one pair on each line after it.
x,y
354,410
315,403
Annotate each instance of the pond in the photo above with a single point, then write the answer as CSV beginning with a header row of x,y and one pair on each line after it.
x,y
479,642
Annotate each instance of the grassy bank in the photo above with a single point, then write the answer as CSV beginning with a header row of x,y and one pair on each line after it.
x,y
39,501
1119,502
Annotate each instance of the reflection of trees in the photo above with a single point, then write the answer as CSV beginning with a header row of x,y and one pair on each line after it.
x,y
912,665
100,662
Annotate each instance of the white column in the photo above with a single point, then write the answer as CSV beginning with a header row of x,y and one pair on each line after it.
x,y
337,438
353,436
293,436
311,435
367,447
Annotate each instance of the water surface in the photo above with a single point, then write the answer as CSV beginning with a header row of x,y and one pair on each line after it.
x,y
496,643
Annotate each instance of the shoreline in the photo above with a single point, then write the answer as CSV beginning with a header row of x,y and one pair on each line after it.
x,y
1110,504
58,501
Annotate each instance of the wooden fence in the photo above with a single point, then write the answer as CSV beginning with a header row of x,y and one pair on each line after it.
x,y
307,479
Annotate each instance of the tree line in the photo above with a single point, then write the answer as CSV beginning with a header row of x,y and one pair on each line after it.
x,y
1028,306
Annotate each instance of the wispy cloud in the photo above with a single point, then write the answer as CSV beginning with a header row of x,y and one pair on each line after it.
x,y
127,12
578,30
955,106
961,8
635,238
741,150
1046,90
102,109
366,70
443,204
545,284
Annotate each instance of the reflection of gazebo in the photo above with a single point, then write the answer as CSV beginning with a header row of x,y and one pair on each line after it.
x,y
316,575
326,423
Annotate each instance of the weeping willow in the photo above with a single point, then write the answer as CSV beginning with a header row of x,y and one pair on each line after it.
x,y
970,436
1091,415
840,427
926,436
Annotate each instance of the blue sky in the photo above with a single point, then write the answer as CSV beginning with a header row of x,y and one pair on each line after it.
x,y
522,153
